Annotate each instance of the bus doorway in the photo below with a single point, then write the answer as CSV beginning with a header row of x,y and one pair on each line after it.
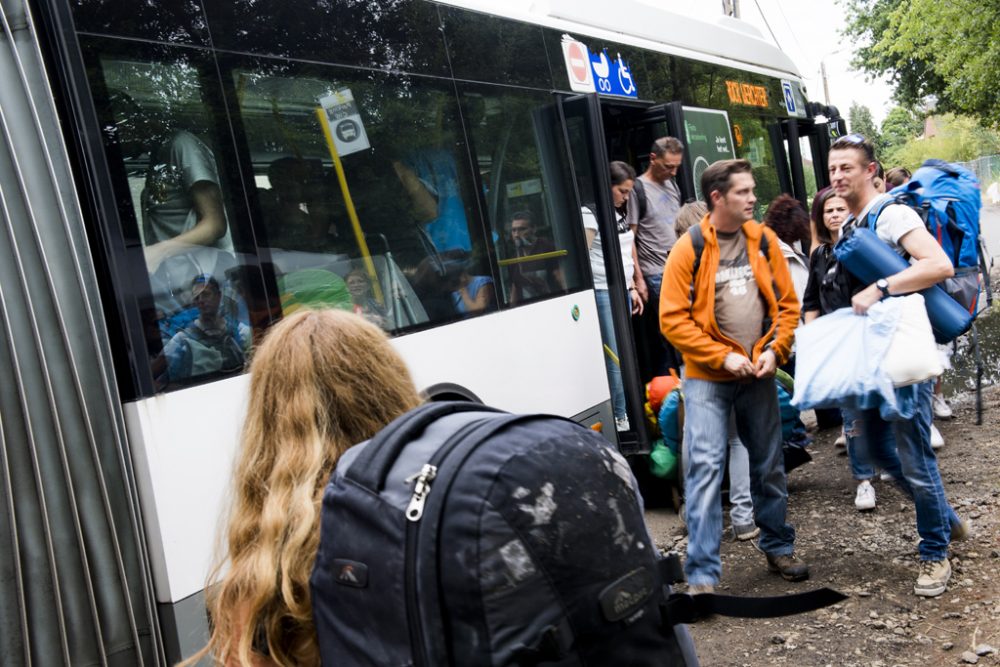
x,y
630,131
598,131
587,146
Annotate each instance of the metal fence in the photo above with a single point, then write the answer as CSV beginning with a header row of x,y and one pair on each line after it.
x,y
987,170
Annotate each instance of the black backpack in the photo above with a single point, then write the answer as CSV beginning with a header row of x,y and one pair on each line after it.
x,y
461,535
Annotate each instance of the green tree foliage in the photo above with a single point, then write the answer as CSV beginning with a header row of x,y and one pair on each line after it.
x,y
859,120
958,139
948,50
900,125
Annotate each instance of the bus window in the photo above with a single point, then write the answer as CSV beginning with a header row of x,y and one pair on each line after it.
x,y
162,135
753,144
527,182
363,193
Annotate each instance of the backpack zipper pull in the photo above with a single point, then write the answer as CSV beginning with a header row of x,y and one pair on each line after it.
x,y
421,488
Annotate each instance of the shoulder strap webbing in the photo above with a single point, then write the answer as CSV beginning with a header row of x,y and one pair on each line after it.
x,y
684,608
876,210
640,192
698,245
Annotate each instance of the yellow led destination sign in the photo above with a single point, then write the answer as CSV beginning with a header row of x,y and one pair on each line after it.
x,y
746,94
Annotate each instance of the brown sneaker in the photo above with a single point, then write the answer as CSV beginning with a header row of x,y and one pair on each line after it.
x,y
789,567
933,579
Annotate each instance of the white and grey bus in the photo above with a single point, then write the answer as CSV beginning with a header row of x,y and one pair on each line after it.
x,y
177,175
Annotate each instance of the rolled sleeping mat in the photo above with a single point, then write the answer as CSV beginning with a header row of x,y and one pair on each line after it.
x,y
869,258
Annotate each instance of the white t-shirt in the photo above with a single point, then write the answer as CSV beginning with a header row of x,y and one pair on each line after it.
x,y
626,239
895,222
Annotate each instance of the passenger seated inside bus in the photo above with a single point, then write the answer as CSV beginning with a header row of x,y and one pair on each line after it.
x,y
320,382
448,286
363,298
212,342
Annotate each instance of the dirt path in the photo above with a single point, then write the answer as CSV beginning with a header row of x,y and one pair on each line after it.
x,y
871,557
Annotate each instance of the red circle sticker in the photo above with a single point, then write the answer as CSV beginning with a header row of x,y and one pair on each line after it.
x,y
579,64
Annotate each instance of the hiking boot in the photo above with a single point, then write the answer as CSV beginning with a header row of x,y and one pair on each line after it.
x,y
788,566
699,589
864,500
961,531
747,532
933,578
941,408
937,440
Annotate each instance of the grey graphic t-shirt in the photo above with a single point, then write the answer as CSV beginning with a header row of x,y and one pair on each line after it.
x,y
739,308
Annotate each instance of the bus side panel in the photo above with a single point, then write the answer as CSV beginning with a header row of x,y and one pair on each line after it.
x,y
184,442
512,372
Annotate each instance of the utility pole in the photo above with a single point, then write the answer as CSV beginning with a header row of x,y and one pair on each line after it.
x,y
826,86
731,8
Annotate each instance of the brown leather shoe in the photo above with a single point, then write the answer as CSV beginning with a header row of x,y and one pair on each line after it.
x,y
789,567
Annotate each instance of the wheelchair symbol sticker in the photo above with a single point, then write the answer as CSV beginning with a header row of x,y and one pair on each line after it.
x,y
625,77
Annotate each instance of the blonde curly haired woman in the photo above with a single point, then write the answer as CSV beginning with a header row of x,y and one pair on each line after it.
x,y
321,381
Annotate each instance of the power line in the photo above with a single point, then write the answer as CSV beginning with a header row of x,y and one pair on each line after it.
x,y
790,28
763,16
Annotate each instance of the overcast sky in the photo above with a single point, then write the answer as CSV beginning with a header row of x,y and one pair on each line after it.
x,y
808,31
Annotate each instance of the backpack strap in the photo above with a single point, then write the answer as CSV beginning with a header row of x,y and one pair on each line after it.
x,y
639,188
684,608
372,465
698,245
880,205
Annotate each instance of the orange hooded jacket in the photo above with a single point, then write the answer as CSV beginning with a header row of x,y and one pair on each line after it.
x,y
692,328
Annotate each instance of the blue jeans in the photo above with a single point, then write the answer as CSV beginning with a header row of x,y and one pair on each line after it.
x,y
608,338
740,500
903,449
860,469
707,407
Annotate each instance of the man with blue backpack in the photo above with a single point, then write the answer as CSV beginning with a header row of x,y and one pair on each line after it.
x,y
852,171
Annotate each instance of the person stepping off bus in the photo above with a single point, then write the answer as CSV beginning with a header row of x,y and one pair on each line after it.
x,y
727,303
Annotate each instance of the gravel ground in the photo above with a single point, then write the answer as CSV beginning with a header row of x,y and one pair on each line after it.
x,y
872,557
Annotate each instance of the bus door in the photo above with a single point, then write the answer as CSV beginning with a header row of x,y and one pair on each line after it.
x,y
630,130
802,145
583,134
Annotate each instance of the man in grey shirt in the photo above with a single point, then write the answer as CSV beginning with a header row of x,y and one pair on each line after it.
x,y
658,199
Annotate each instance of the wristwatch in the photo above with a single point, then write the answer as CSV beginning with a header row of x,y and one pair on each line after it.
x,y
883,286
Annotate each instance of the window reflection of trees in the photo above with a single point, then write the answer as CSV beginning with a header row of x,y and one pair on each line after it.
x,y
391,35
171,21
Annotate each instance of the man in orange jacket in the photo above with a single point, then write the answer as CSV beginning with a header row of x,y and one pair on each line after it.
x,y
728,305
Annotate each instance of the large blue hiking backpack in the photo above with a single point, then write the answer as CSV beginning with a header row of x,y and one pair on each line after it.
x,y
461,535
948,199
